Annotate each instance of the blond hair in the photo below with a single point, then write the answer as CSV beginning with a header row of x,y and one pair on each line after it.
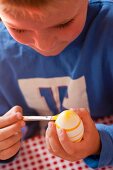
x,y
25,3
14,6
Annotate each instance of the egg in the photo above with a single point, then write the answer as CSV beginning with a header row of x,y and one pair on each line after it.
x,y
72,124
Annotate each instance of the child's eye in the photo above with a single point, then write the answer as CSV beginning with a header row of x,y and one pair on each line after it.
x,y
65,25
18,30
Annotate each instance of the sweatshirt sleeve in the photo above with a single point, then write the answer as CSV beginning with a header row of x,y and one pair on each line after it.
x,y
106,155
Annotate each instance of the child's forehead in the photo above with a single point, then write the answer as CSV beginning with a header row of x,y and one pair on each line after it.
x,y
46,16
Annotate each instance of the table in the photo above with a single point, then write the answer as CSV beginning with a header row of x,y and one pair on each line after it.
x,y
34,156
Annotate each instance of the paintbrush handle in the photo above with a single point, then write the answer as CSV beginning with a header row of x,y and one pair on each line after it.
x,y
36,118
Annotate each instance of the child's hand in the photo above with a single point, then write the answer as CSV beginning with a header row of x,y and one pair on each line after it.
x,y
10,132
61,146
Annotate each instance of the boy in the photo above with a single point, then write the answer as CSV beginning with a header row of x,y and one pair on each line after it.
x,y
76,37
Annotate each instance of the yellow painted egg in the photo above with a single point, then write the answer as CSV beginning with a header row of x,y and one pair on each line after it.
x,y
72,124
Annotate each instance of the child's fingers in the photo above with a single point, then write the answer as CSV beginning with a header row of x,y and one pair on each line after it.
x,y
67,145
86,119
11,130
53,138
10,141
73,147
8,153
87,122
11,116
14,110
83,113
54,145
47,142
48,145
74,150
7,121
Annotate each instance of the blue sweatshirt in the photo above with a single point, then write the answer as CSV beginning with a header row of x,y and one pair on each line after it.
x,y
80,76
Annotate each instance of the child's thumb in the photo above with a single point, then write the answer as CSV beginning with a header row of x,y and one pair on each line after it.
x,y
84,114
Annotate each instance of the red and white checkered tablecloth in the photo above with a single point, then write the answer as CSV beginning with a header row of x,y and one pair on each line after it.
x,y
34,156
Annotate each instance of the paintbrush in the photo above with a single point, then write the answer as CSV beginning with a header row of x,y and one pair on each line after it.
x,y
39,118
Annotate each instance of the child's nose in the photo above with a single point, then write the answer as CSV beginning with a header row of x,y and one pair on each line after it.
x,y
45,42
